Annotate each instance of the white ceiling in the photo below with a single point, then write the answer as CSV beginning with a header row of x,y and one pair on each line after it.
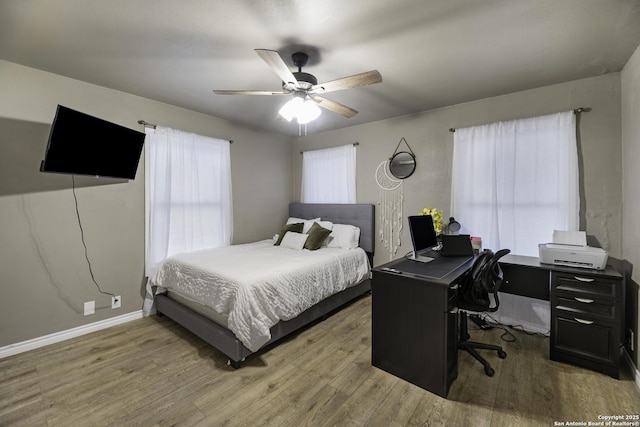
x,y
431,53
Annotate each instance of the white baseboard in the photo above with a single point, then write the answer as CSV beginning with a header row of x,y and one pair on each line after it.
x,y
634,369
34,343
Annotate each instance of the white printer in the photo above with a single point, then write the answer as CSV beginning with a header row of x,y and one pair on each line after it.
x,y
569,248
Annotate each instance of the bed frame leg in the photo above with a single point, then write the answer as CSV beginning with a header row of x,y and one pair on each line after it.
x,y
234,364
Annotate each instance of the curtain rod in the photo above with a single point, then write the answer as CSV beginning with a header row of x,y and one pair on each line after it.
x,y
147,125
152,126
355,144
576,111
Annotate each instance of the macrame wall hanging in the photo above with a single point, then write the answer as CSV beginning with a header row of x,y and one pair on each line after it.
x,y
389,176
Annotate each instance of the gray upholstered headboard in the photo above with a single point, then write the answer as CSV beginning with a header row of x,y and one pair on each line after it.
x,y
358,214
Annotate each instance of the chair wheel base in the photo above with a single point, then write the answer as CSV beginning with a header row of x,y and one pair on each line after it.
x,y
489,371
502,354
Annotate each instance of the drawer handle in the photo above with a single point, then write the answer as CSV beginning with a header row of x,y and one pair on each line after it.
x,y
584,322
584,279
585,300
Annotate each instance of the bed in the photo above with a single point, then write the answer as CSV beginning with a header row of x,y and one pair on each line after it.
x,y
201,316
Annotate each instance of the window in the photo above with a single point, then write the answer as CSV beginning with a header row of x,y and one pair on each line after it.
x,y
188,194
329,175
514,183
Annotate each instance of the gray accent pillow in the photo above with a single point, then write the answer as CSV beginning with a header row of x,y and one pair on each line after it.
x,y
296,228
317,235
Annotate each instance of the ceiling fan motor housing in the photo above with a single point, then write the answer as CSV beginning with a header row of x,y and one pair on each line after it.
x,y
305,80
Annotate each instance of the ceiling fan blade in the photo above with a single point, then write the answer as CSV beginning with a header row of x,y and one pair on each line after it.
x,y
334,106
362,79
250,92
274,60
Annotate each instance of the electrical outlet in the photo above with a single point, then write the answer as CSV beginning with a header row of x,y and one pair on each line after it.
x,y
116,301
89,307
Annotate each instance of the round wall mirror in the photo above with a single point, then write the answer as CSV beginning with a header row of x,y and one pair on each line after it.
x,y
402,165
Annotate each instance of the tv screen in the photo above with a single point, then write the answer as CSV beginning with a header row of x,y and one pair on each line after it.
x,y
80,144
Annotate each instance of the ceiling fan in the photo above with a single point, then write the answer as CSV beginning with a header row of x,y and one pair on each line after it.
x,y
305,87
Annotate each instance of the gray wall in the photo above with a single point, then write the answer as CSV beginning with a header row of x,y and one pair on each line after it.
x,y
631,190
428,135
42,269
43,272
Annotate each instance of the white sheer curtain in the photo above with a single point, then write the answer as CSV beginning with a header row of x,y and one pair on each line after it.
x,y
515,182
329,175
188,194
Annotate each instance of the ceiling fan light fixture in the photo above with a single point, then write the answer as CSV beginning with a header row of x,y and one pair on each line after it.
x,y
303,110
309,112
290,109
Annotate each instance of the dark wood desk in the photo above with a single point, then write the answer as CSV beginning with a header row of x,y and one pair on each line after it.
x,y
414,323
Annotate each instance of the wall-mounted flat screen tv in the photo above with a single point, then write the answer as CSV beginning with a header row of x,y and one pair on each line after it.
x,y
80,144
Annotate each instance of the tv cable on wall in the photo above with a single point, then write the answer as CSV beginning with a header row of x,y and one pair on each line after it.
x,y
86,254
81,144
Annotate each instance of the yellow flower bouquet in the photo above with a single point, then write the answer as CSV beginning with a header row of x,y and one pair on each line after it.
x,y
436,215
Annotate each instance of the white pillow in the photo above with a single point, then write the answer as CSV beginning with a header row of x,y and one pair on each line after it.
x,y
344,236
293,240
324,224
307,222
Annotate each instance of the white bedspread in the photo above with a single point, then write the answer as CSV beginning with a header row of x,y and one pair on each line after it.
x,y
256,285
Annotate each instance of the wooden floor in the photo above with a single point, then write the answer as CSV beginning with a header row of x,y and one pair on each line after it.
x,y
152,372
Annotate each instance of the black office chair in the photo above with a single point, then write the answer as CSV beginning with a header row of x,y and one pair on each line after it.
x,y
478,292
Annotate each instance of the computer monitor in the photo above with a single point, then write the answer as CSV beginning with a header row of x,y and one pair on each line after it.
x,y
423,235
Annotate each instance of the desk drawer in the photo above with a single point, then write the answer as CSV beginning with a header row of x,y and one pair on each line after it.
x,y
567,304
586,339
586,285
